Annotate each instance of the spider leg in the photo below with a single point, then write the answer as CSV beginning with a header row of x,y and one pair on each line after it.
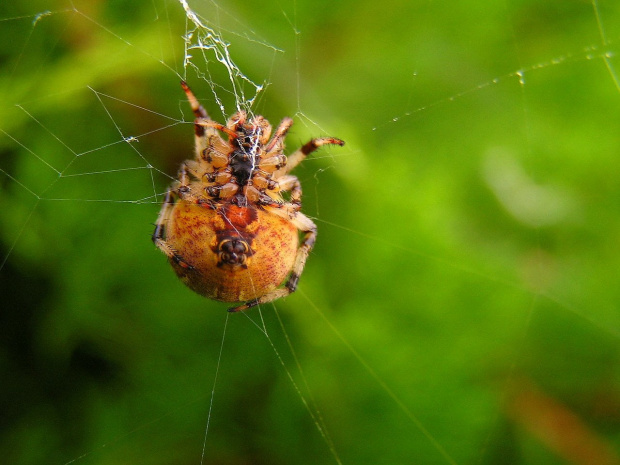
x,y
197,108
202,132
270,194
297,157
290,183
305,225
183,187
209,124
160,231
280,133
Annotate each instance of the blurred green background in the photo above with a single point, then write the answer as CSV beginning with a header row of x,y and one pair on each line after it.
x,y
460,306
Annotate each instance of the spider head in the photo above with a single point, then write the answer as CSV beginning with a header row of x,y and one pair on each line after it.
x,y
256,131
237,120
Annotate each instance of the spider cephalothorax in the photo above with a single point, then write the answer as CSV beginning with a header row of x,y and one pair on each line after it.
x,y
224,225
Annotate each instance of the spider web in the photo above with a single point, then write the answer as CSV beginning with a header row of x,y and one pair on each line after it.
x,y
460,305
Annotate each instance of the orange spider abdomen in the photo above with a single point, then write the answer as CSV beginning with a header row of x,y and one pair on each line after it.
x,y
231,254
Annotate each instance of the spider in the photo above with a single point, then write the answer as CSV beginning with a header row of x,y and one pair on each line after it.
x,y
224,226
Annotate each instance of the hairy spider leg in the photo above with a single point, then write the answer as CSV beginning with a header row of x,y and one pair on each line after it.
x,y
160,231
280,133
201,114
290,183
207,123
197,108
298,156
